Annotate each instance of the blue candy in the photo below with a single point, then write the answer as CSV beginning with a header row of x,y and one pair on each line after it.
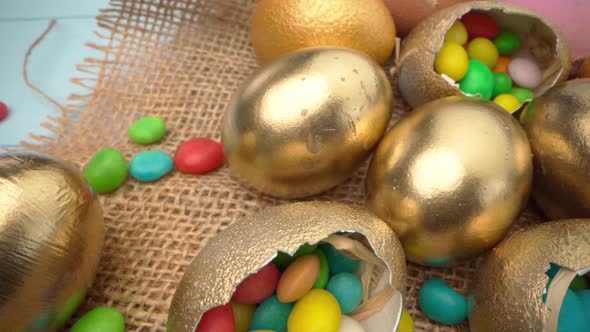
x,y
271,314
571,314
441,303
150,165
347,289
337,261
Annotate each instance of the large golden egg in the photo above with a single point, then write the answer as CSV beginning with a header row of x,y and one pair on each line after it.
x,y
419,83
558,127
304,123
51,235
249,244
451,178
510,284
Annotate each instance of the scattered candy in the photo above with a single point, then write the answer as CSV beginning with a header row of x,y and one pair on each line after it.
x,y
271,314
502,65
317,311
522,94
106,171
298,278
242,315
147,130
348,324
502,83
3,111
484,50
525,73
198,155
480,25
571,314
258,286
347,289
339,262
101,319
218,319
507,42
451,60
478,80
507,102
457,33
324,273
150,165
441,303
406,323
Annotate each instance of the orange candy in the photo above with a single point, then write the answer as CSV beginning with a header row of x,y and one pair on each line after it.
x,y
298,278
502,65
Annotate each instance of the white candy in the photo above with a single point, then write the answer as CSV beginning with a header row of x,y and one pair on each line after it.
x,y
525,73
348,324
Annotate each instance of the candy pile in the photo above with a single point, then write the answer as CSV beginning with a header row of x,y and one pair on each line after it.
x,y
485,62
317,289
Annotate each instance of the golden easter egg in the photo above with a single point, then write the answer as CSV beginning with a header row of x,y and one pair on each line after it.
x,y
251,243
512,281
558,126
281,27
51,235
541,41
451,178
304,123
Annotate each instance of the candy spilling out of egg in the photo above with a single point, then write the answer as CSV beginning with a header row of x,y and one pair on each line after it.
x,y
364,264
503,37
441,303
446,196
304,123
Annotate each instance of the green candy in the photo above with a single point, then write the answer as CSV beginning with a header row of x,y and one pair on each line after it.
x,y
106,171
283,259
507,42
101,319
324,273
68,308
522,94
478,80
147,130
503,83
579,282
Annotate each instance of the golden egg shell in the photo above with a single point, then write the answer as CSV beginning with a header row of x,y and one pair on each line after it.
x,y
304,123
51,235
249,244
558,127
510,283
451,178
419,83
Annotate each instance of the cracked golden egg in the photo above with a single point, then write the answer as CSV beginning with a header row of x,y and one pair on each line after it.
x,y
304,123
451,178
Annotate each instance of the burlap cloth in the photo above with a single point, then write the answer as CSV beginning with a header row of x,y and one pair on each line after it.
x,y
182,60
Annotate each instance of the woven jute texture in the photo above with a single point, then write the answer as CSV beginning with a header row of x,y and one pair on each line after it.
x,y
182,60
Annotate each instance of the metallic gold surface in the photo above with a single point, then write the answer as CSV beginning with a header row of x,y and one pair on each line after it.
x,y
419,83
51,235
510,283
249,244
558,127
281,27
302,124
451,178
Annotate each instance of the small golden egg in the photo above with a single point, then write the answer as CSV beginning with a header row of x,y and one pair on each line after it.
x,y
304,123
451,178
558,127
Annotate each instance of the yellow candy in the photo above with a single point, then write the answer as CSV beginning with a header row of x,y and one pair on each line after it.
x,y
317,311
507,102
457,33
451,60
483,50
242,315
406,323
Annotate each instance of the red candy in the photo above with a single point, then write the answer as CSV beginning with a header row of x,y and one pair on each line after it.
x,y
198,155
218,319
258,286
3,111
480,25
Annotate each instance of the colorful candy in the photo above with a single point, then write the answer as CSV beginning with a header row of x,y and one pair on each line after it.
x,y
147,130
271,314
339,262
502,65
525,72
522,94
106,171
451,60
457,33
441,303
480,25
579,282
507,102
324,272
584,297
348,324
283,259
242,315
507,42
406,323
3,111
484,50
150,165
502,83
347,289
218,319
478,80
571,314
198,155
101,319
298,278
258,286
317,311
